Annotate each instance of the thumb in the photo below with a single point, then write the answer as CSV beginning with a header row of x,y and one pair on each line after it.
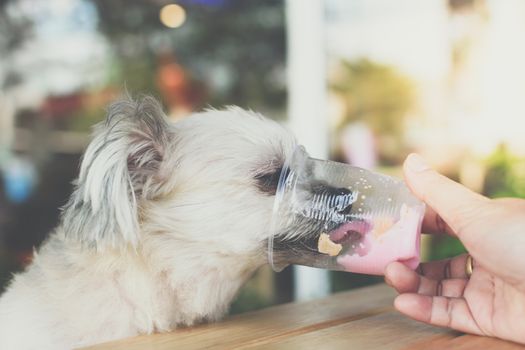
x,y
457,205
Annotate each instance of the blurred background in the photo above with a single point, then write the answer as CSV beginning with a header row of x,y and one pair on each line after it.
x,y
360,81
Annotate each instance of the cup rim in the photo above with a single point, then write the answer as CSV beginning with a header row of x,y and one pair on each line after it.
x,y
279,193
290,174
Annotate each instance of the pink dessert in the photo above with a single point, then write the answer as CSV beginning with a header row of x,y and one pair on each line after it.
x,y
381,242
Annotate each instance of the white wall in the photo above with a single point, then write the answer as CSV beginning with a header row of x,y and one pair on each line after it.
x,y
307,107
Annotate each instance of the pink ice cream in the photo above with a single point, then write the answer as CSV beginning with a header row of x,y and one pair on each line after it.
x,y
383,243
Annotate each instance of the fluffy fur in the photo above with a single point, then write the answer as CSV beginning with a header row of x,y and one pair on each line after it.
x,y
166,223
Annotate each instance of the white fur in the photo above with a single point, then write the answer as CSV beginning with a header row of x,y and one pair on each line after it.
x,y
165,225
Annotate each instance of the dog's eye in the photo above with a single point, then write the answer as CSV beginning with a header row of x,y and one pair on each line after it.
x,y
267,182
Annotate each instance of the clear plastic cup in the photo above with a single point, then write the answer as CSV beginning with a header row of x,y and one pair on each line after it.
x,y
334,216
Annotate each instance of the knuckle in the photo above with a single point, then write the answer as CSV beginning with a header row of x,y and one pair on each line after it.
x,y
439,288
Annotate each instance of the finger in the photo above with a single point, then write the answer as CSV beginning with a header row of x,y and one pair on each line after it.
x,y
433,223
401,278
451,288
456,204
405,280
439,311
444,269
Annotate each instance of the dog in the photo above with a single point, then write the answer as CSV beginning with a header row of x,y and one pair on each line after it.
x,y
165,223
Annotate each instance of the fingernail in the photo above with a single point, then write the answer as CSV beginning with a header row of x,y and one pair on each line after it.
x,y
416,163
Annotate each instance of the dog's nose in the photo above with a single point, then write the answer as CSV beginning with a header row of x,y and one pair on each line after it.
x,y
344,204
330,190
337,191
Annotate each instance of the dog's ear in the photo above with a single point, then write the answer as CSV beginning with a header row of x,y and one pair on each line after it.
x,y
122,167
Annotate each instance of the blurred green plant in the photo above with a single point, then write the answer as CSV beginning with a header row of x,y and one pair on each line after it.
x,y
16,28
84,119
249,299
443,246
255,294
505,174
240,41
377,95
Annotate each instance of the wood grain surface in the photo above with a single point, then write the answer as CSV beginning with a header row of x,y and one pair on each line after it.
x,y
358,319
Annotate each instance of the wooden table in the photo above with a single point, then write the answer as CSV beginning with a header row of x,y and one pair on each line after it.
x,y
359,319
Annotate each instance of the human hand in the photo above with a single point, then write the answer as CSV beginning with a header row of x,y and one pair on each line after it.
x,y
492,301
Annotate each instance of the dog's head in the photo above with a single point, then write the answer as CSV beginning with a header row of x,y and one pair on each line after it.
x,y
208,181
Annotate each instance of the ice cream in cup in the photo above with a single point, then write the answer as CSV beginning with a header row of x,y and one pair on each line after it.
x,y
334,216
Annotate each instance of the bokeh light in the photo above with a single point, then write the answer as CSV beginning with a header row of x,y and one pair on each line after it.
x,y
173,15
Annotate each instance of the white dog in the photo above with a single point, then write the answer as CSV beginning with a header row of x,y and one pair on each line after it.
x,y
166,223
